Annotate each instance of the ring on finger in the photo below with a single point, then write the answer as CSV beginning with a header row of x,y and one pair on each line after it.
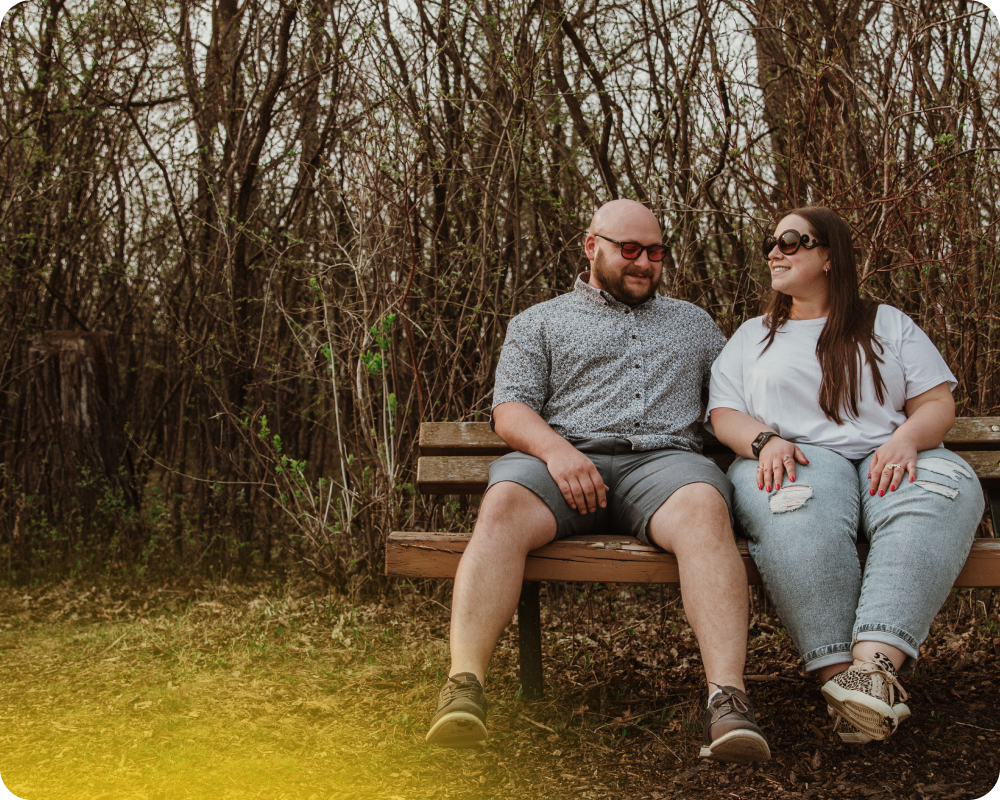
x,y
894,466
787,458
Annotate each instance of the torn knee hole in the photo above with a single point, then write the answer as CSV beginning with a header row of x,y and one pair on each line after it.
x,y
942,466
938,488
790,498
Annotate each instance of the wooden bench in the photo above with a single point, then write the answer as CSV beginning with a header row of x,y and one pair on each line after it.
x,y
455,458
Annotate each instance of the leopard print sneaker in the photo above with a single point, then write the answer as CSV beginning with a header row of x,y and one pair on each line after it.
x,y
865,696
849,734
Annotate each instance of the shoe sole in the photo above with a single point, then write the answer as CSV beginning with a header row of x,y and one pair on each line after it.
x,y
868,714
459,729
902,713
739,747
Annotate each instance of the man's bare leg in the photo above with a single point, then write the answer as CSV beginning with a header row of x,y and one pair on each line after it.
x,y
694,525
512,522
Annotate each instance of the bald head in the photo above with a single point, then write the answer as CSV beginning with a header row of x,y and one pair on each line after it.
x,y
632,281
626,218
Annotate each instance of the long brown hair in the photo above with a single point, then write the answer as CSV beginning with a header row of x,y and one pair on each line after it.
x,y
850,326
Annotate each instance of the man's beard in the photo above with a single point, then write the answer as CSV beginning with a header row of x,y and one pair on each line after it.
x,y
614,282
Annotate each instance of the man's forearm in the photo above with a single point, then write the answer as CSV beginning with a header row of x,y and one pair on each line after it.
x,y
524,430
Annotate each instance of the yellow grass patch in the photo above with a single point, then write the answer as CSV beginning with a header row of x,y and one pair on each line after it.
x,y
244,696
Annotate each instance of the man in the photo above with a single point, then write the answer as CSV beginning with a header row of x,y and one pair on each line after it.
x,y
598,392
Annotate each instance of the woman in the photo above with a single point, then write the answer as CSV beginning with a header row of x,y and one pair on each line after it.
x,y
848,400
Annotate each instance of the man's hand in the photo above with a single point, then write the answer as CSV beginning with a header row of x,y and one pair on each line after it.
x,y
578,479
576,476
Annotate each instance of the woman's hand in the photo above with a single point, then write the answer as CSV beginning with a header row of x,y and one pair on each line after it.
x,y
777,456
890,461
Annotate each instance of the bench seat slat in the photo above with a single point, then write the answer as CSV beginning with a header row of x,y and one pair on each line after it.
x,y
610,559
469,474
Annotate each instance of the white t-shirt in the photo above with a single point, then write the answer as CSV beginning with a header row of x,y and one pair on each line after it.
x,y
781,387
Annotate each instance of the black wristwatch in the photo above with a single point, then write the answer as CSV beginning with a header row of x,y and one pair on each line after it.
x,y
760,441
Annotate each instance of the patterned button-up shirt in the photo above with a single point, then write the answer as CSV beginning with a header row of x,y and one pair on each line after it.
x,y
592,366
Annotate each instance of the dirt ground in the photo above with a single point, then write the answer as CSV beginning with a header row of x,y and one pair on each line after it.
x,y
288,691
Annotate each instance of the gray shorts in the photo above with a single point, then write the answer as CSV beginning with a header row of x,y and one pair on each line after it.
x,y
640,481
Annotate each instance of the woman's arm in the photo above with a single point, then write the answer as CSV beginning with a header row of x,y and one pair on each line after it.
x,y
930,416
737,430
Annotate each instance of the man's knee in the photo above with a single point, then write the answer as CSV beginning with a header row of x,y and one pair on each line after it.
x,y
514,512
694,508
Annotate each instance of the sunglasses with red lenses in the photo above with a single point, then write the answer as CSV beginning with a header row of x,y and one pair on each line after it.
x,y
789,242
632,250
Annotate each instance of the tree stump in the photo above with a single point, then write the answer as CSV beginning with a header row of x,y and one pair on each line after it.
x,y
76,439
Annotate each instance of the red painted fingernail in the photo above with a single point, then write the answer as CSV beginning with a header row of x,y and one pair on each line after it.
x,y
769,487
912,479
792,480
892,488
881,492
869,474
871,493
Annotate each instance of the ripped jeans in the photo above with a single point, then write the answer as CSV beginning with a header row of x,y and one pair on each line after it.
x,y
803,539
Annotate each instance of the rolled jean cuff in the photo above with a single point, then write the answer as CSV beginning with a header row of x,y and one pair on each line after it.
x,y
898,638
827,655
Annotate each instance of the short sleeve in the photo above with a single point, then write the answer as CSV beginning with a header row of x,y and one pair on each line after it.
x,y
523,368
923,366
726,389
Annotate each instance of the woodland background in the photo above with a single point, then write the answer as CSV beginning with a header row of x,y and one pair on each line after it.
x,y
305,226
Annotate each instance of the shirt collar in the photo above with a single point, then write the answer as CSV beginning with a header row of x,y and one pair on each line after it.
x,y
592,294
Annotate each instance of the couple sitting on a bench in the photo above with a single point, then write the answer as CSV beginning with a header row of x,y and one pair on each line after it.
x,y
835,407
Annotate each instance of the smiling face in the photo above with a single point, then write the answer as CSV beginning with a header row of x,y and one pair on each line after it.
x,y
630,281
802,274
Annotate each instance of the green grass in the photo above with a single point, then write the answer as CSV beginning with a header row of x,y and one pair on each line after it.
x,y
288,692
244,695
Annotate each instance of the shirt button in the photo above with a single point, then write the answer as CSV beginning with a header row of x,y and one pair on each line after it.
x,y
637,366
638,395
634,336
626,310
636,425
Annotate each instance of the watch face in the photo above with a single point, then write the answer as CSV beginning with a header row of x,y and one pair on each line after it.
x,y
760,441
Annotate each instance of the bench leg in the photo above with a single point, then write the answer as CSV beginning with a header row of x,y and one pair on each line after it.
x,y
994,498
529,633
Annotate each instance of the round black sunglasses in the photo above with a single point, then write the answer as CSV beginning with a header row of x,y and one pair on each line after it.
x,y
789,242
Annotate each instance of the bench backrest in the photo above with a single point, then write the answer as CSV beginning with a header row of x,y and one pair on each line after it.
x,y
455,456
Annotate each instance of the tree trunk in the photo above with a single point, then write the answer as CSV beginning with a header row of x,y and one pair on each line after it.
x,y
76,439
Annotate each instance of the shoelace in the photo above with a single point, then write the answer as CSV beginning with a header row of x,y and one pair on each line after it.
x,y
841,722
462,688
730,702
888,674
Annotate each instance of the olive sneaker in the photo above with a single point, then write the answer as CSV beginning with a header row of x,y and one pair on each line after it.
x,y
460,720
731,732
865,696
